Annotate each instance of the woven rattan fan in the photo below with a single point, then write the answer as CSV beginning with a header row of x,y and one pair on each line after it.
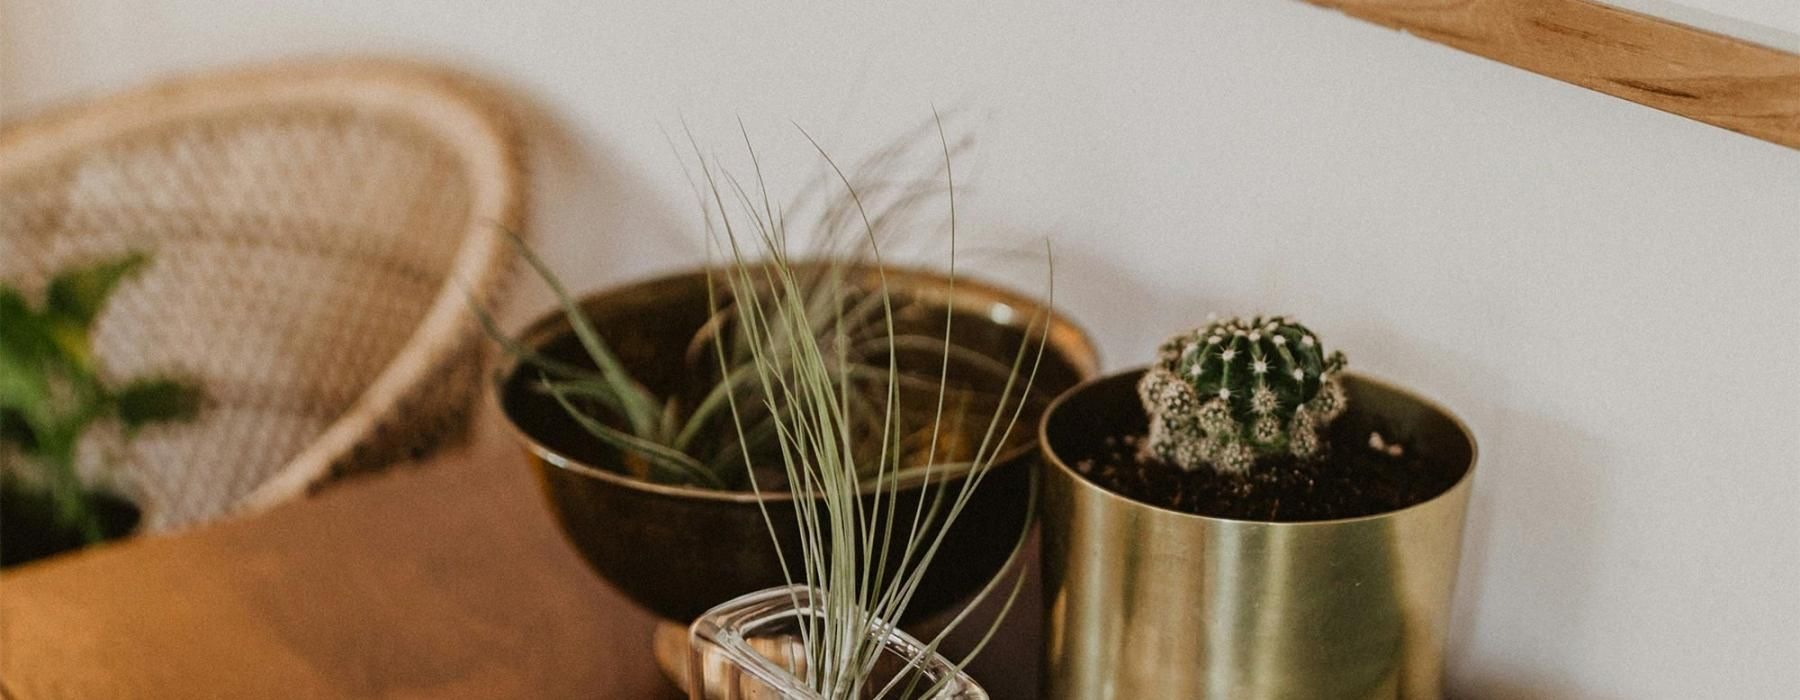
x,y
314,227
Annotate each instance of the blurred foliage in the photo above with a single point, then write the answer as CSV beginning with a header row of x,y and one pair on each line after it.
x,y
52,392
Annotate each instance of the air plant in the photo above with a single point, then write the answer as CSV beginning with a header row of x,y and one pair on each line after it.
x,y
846,584
1237,389
605,399
52,391
689,440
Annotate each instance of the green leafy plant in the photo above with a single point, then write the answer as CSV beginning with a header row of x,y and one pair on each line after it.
x,y
52,392
845,542
1239,388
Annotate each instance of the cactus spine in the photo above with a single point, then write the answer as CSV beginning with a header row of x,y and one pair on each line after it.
x,y
1237,389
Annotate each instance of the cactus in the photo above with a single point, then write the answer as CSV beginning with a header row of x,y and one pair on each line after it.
x,y
1238,389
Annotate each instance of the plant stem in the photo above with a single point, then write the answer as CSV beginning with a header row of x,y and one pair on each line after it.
x,y
67,493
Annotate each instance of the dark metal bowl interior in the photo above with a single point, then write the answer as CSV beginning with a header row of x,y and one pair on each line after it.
x,y
679,550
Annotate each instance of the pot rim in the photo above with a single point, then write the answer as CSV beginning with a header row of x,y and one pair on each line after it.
x,y
989,300
1055,461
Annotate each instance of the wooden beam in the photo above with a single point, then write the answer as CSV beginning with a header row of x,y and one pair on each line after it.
x,y
1736,84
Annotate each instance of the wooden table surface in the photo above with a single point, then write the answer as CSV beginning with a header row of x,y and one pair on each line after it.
x,y
441,580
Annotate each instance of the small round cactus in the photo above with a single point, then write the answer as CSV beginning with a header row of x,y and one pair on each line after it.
x,y
1237,389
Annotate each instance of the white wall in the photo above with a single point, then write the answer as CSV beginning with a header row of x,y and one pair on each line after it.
x,y
1609,294
1773,23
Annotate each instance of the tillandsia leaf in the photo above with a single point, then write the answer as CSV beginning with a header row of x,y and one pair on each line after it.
x,y
596,388
824,399
730,457
157,400
636,405
989,449
887,304
737,379
864,656
521,351
999,431
971,359
1014,563
676,465
749,308
670,423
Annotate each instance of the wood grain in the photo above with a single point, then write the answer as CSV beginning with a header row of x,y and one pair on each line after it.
x,y
447,580
1724,81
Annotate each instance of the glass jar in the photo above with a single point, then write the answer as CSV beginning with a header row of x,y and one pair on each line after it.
x,y
752,648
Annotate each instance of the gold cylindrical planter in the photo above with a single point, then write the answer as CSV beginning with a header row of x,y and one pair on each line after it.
x,y
1145,602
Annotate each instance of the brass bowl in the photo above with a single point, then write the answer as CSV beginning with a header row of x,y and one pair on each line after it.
x,y
680,550
1147,602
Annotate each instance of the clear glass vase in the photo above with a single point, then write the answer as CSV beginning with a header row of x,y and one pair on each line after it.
x,y
751,648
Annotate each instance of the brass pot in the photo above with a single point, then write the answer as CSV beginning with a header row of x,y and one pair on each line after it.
x,y
680,550
1146,602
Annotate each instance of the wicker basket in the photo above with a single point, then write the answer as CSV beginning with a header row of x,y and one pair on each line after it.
x,y
316,230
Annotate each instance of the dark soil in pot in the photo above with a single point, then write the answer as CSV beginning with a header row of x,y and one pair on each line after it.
x,y
1370,466
29,531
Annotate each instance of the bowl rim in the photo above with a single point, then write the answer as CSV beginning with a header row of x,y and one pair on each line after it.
x,y
1054,461
1066,339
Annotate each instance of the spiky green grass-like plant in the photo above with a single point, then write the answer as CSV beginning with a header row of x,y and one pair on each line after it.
x,y
848,529
605,399
690,441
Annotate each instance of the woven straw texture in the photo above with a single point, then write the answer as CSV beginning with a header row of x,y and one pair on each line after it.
x,y
316,231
